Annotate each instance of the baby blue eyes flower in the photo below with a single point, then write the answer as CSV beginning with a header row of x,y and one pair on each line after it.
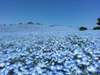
x,y
51,56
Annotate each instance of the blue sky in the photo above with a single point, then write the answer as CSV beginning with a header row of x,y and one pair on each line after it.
x,y
62,12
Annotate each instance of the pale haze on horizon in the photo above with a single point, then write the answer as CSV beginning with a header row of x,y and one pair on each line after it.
x,y
62,12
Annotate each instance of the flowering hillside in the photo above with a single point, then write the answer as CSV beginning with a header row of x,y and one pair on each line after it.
x,y
49,55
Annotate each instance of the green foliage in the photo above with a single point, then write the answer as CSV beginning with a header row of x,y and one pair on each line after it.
x,y
38,23
96,28
98,21
30,22
82,28
20,23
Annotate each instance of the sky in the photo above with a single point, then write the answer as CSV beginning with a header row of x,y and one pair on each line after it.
x,y
61,12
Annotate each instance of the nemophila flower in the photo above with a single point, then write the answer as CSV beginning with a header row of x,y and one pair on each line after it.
x,y
2,65
51,56
91,69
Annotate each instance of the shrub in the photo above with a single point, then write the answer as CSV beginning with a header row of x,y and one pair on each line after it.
x,y
38,23
30,22
96,28
98,21
10,24
4,24
82,28
20,23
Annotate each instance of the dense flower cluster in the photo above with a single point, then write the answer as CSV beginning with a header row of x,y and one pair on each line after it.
x,y
68,55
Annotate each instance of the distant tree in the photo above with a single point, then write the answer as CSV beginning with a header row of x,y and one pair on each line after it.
x,y
52,25
98,21
30,22
82,28
10,24
37,23
4,24
20,23
96,28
